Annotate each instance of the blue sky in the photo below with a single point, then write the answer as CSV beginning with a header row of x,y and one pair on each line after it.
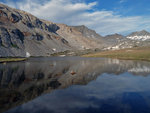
x,y
124,7
104,16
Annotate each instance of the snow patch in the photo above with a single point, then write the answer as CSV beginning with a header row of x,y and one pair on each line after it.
x,y
141,38
54,49
28,54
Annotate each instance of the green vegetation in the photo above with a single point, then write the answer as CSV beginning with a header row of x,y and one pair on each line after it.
x,y
60,53
15,46
3,60
138,53
76,52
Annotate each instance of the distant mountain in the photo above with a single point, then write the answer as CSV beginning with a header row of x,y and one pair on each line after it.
x,y
114,38
87,32
80,37
140,33
141,36
117,41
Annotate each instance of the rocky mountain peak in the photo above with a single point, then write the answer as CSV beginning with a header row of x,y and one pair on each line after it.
x,y
116,35
139,35
87,32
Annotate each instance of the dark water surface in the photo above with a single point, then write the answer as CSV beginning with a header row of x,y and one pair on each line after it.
x,y
75,85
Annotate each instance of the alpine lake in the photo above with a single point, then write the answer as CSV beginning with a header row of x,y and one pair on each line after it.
x,y
75,85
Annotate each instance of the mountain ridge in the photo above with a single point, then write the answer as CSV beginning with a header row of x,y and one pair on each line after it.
x,y
22,34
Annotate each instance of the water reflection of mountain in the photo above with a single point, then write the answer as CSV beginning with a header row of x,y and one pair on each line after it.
x,y
23,81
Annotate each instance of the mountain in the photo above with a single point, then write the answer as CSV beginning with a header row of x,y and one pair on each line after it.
x,y
23,34
87,32
140,36
114,38
117,41
135,39
80,37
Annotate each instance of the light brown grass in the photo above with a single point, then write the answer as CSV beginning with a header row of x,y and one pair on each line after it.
x,y
141,53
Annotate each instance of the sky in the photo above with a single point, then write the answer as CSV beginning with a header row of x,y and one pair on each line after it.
x,y
103,16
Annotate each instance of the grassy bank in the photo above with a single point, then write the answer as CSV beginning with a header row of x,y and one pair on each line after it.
x,y
2,60
75,52
140,53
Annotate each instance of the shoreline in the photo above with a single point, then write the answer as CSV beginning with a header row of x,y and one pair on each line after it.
x,y
4,60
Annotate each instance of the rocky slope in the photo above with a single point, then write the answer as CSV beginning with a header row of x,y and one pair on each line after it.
x,y
23,34
114,39
80,37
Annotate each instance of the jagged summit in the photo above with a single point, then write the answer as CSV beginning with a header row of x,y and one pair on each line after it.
x,y
87,32
140,33
116,35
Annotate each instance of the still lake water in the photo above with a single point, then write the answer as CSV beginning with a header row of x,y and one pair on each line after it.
x,y
75,85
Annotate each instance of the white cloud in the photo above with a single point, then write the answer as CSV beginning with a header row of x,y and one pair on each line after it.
x,y
79,13
122,1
